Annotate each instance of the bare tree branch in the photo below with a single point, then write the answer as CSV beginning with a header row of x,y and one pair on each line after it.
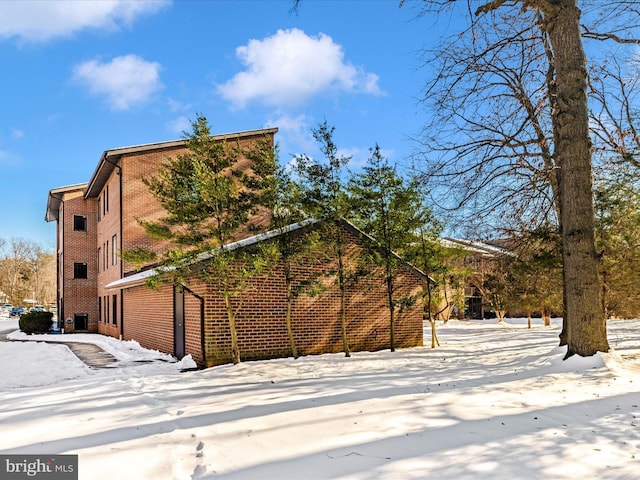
x,y
587,33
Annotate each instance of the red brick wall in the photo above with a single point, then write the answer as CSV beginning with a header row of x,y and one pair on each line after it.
x,y
109,267
148,317
261,320
79,294
139,204
315,319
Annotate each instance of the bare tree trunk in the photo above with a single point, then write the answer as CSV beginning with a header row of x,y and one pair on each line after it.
x,y
392,333
235,349
289,281
434,335
528,319
585,322
343,302
500,314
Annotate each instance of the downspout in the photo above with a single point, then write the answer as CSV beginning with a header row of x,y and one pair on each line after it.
x,y
59,272
121,263
202,336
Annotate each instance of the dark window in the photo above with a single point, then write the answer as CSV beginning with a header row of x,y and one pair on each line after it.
x,y
79,270
114,305
80,321
99,259
99,209
114,251
80,223
99,309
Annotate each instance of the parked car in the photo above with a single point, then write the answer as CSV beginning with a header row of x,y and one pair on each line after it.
x,y
37,308
16,311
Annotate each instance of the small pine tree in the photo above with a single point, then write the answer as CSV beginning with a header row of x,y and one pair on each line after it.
x,y
388,208
292,248
209,202
325,198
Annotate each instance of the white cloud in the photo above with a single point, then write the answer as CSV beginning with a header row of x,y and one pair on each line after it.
x,y
126,80
179,125
16,133
290,67
41,20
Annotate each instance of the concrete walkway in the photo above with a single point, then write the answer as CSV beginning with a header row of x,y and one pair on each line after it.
x,y
92,355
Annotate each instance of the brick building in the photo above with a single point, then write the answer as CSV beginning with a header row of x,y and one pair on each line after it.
x,y
98,292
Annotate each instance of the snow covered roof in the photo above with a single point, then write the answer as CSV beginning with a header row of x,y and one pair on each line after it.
x,y
472,246
140,277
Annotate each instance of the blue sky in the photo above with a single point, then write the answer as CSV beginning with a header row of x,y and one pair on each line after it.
x,y
79,78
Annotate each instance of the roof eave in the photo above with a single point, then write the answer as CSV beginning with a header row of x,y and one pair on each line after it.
x,y
110,158
55,198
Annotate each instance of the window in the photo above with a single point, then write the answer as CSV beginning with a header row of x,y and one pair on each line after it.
x,y
106,200
106,255
99,255
114,251
99,309
99,209
79,270
114,305
80,223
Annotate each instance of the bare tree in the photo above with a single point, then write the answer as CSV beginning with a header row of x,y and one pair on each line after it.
x,y
26,270
538,43
488,149
614,88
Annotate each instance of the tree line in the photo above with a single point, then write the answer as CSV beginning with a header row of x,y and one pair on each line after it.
x,y
27,272
519,116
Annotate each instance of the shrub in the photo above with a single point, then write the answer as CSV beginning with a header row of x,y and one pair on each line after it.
x,y
36,322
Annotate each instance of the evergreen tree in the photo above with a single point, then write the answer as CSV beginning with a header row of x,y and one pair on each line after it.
x,y
389,209
291,247
210,200
325,198
617,230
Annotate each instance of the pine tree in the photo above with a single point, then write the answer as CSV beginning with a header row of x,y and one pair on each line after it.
x,y
210,201
617,232
325,198
292,247
388,208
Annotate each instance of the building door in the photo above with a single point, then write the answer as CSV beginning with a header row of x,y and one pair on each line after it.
x,y
80,321
178,322
473,303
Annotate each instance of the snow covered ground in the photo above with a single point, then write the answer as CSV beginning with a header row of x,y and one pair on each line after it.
x,y
494,401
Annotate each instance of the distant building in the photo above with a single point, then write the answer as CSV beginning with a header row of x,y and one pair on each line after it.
x,y
478,258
